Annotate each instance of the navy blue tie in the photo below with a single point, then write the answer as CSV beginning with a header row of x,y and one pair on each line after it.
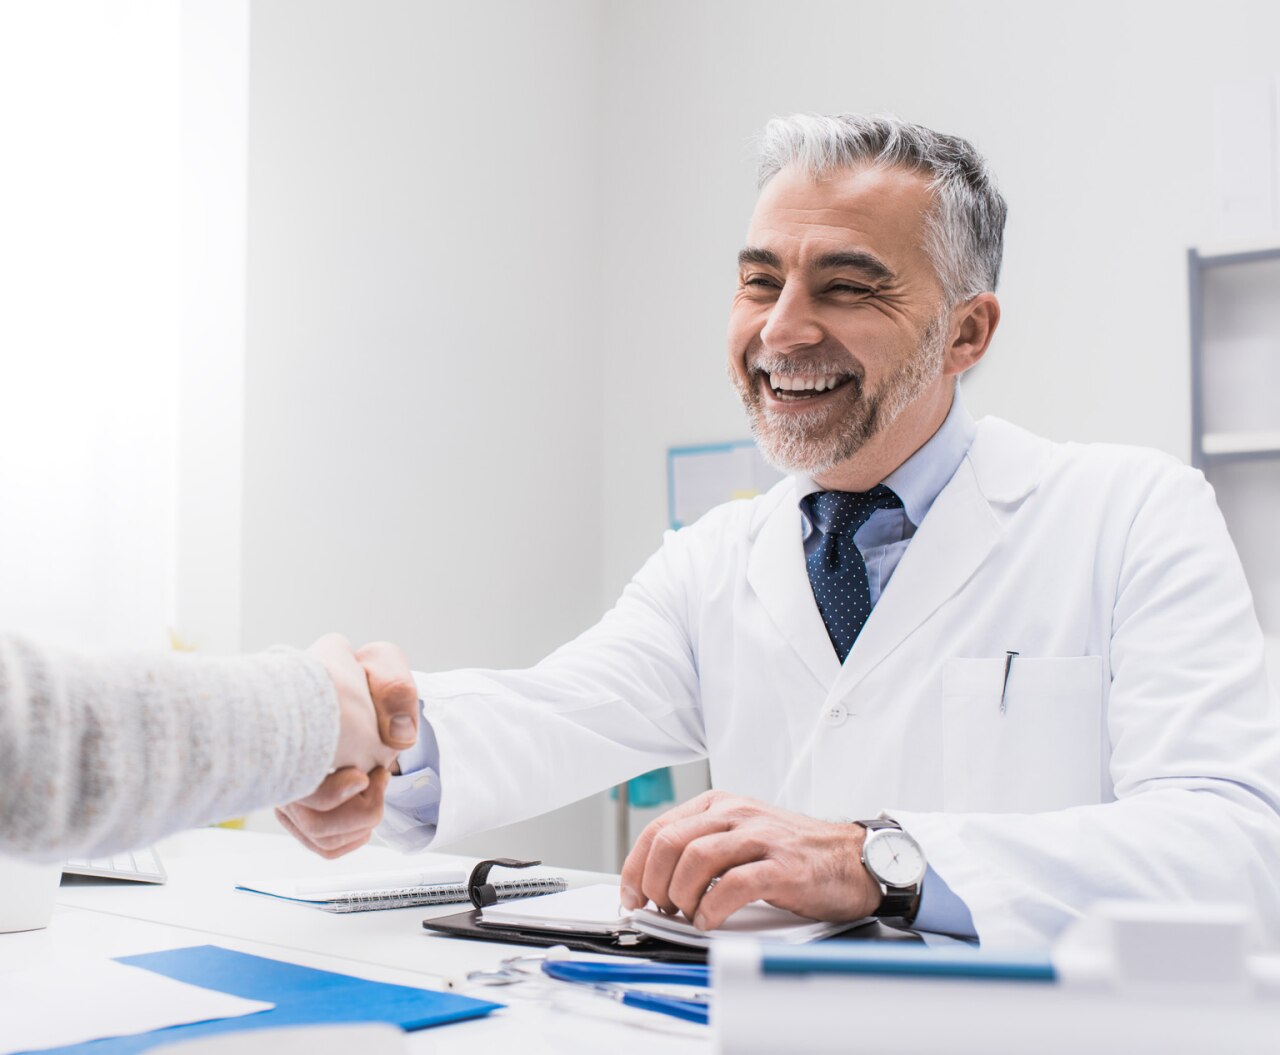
x,y
837,571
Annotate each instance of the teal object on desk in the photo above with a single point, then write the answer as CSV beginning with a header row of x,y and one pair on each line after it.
x,y
891,958
302,995
649,790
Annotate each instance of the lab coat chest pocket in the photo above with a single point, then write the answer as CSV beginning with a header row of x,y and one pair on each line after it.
x,y
1042,752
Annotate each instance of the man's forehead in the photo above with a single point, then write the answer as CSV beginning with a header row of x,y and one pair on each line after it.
x,y
864,205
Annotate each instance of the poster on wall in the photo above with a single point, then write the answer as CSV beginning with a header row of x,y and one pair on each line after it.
x,y
703,476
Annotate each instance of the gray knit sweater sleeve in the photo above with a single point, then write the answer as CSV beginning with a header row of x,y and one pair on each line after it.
x,y
99,755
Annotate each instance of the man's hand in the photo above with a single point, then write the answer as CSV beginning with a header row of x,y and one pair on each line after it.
x,y
394,693
753,852
378,704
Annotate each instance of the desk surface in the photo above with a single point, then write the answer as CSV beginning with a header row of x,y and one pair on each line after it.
x,y
199,905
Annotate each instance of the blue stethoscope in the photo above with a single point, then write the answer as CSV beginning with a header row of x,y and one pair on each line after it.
x,y
612,980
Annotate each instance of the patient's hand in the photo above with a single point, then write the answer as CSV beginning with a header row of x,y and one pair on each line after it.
x,y
377,701
378,707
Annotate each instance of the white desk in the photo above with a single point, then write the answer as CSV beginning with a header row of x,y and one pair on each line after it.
x,y
199,906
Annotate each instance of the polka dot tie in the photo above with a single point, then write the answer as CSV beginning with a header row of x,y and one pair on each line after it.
x,y
837,571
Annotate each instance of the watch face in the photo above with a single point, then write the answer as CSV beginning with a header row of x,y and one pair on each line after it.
x,y
893,857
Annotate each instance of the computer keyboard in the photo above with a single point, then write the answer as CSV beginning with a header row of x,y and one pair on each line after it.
x,y
138,866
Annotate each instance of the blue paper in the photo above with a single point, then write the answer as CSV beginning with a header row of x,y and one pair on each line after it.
x,y
303,996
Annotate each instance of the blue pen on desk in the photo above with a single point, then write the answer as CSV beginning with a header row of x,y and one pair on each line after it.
x,y
613,980
608,979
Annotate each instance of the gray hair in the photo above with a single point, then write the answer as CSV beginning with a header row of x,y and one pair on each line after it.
x,y
964,232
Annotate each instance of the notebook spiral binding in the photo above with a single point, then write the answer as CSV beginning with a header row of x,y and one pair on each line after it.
x,y
451,893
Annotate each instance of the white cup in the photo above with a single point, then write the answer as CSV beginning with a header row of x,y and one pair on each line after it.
x,y
27,893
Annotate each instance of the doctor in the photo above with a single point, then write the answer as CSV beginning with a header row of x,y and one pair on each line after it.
x,y
949,673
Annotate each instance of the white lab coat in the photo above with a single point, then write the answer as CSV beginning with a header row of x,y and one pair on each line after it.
x,y
1138,754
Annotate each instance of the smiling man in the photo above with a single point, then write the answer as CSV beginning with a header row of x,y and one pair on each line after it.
x,y
946,673
839,335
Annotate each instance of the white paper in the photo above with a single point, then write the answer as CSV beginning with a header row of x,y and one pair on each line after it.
x,y
594,909
51,1007
757,920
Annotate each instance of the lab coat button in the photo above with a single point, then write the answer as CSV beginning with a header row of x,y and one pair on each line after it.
x,y
835,714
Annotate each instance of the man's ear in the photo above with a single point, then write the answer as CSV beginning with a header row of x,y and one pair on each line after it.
x,y
973,324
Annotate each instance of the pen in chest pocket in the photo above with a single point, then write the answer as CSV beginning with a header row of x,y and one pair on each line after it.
x,y
1004,689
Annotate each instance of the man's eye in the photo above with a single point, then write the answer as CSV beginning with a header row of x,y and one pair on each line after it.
x,y
760,281
849,287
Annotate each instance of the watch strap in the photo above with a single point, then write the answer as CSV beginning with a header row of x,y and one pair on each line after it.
x,y
898,904
880,822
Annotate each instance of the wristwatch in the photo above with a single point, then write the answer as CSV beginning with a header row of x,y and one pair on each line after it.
x,y
895,861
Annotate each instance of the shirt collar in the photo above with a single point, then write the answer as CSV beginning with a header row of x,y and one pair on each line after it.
x,y
920,479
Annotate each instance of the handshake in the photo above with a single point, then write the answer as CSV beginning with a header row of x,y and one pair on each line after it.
x,y
378,718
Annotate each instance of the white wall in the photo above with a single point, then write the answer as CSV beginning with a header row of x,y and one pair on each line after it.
x,y
215,149
422,358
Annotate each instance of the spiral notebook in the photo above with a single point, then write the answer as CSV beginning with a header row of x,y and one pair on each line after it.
x,y
374,892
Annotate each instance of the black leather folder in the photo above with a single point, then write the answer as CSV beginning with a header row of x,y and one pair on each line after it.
x,y
467,925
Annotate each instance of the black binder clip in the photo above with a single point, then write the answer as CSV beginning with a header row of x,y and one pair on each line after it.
x,y
480,890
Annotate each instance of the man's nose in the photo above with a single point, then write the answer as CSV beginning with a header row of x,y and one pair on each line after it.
x,y
793,321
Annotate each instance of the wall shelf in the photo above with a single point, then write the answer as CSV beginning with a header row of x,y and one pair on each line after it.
x,y
1242,252
1235,404
1260,444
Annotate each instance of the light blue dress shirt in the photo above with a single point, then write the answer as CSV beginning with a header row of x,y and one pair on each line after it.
x,y
882,540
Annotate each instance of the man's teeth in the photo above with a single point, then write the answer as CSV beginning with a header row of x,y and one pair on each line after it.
x,y
792,383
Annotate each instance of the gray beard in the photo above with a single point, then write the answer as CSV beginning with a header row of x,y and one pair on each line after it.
x,y
799,443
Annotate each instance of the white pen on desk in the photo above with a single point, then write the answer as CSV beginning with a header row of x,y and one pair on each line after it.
x,y
382,881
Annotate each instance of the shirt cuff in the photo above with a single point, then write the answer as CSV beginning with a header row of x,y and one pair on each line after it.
x,y
941,911
413,795
425,752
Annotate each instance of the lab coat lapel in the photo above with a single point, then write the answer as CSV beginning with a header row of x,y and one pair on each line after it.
x,y
1003,466
777,573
